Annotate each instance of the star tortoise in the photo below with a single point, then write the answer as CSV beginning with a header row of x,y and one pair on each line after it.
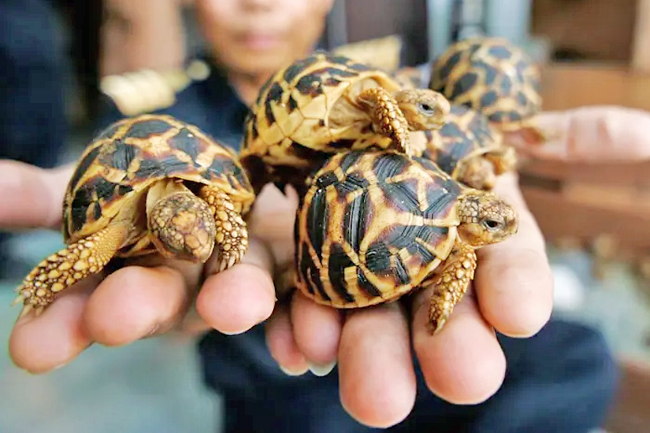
x,y
494,77
323,104
469,149
146,184
375,226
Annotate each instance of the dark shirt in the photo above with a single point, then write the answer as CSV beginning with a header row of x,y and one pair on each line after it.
x,y
33,73
211,104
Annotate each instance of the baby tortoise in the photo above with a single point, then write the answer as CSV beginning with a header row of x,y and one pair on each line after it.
x,y
146,184
409,77
496,78
470,149
375,226
324,104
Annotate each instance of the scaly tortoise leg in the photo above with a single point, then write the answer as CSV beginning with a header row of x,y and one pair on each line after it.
x,y
477,172
68,266
451,284
387,117
232,234
504,160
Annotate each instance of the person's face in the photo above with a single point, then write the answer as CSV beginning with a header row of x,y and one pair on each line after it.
x,y
261,36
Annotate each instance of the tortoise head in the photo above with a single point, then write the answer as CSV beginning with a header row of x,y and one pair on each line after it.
x,y
485,218
182,227
423,109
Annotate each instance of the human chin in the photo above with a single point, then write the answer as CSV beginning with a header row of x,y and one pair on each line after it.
x,y
264,62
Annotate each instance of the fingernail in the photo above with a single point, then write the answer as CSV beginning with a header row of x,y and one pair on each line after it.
x,y
231,332
298,372
321,369
153,331
60,366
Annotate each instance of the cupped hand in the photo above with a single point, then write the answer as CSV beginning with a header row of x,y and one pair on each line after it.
x,y
512,294
147,297
463,363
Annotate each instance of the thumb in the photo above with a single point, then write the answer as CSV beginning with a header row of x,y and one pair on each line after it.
x,y
32,197
591,134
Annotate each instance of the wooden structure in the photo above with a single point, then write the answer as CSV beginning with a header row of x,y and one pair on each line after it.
x,y
610,42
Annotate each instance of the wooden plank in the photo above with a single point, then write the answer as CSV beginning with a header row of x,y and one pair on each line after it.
x,y
601,30
641,44
562,217
570,85
607,174
621,198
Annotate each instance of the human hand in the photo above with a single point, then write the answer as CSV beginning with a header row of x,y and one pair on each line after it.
x,y
377,379
463,363
591,134
512,294
148,297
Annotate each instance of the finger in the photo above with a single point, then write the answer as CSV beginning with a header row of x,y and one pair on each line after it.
x,y
377,380
514,282
41,343
281,343
463,363
272,221
595,133
32,197
235,300
135,302
317,330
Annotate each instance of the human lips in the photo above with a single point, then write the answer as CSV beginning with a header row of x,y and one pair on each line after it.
x,y
260,41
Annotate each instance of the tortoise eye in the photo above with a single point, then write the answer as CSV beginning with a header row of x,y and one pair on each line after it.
x,y
491,224
426,108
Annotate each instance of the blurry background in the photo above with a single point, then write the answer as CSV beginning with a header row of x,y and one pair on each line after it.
x,y
595,220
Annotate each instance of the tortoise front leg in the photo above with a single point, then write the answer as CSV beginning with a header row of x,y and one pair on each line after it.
x,y
68,266
451,284
386,116
232,234
504,159
477,172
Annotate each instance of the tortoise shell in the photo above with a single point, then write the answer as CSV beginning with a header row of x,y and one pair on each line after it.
x,y
373,226
466,134
290,124
492,76
409,77
116,169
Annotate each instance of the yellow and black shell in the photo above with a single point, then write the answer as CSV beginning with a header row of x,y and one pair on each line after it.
x,y
466,134
492,76
129,156
373,227
290,126
409,77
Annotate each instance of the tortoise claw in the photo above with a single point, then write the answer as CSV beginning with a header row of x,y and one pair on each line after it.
x,y
26,310
229,261
232,235
19,299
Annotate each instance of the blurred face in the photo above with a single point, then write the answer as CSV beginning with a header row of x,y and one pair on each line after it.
x,y
261,36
